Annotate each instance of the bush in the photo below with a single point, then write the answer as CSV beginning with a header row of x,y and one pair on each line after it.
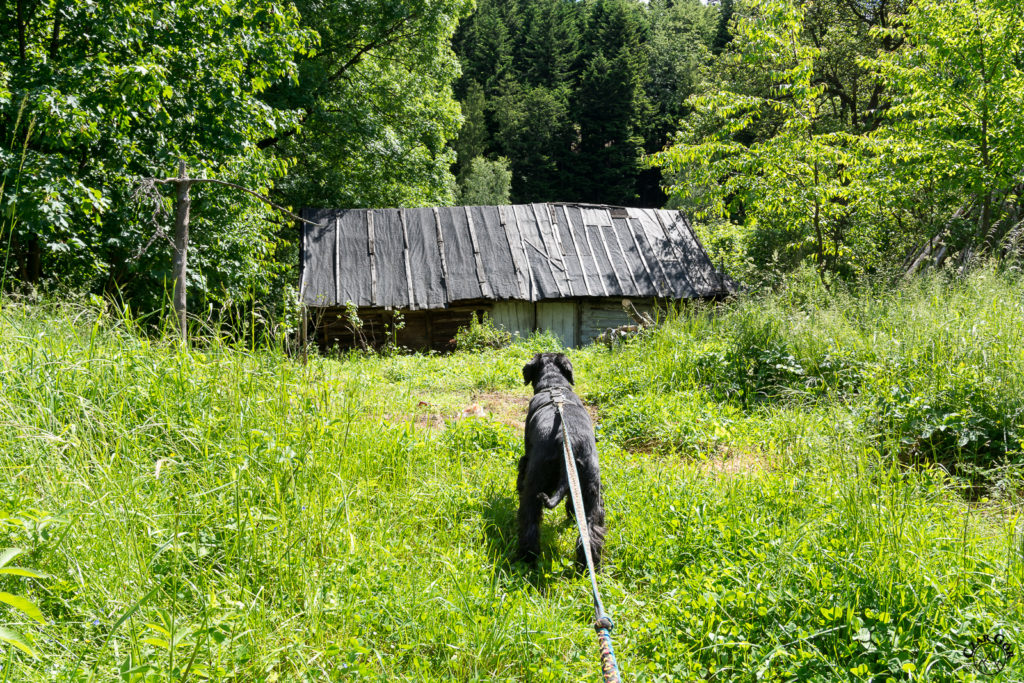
x,y
967,427
480,335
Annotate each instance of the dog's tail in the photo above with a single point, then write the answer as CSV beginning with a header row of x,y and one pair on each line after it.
x,y
560,493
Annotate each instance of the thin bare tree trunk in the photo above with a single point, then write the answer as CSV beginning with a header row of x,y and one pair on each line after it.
x,y
181,218
985,219
303,331
55,35
21,28
817,223
985,223
934,244
181,212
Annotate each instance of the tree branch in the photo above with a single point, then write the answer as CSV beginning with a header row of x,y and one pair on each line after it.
x,y
389,36
386,38
262,198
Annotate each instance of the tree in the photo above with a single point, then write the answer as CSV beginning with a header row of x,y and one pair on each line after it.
x,y
485,182
550,43
679,46
565,89
845,33
376,105
957,119
123,89
473,136
723,31
610,105
534,133
795,175
681,34
485,46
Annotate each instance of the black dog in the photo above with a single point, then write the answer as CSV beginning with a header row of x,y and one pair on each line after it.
x,y
542,480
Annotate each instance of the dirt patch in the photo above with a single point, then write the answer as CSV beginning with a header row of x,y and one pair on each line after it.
x,y
430,420
505,407
508,409
736,461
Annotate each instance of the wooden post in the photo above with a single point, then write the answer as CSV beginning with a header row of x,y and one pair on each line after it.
x,y
303,331
181,211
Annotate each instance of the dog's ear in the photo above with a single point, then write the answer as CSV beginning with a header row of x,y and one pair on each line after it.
x,y
565,365
530,370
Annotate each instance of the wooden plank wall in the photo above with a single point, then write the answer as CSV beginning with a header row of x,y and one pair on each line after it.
x,y
598,316
515,316
423,330
576,323
559,318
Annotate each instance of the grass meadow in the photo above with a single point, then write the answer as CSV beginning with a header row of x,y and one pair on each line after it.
x,y
802,486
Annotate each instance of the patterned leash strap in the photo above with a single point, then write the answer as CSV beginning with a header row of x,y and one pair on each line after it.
x,y
609,667
603,624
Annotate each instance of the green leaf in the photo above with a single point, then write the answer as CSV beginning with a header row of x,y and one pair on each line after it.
x,y
15,639
23,605
159,629
157,642
9,554
21,571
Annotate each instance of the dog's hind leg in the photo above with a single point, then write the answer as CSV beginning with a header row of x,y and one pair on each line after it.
x,y
530,513
555,498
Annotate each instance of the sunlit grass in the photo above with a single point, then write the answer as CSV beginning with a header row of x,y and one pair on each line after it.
x,y
231,514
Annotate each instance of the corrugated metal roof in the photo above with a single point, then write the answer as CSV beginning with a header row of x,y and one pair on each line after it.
x,y
433,257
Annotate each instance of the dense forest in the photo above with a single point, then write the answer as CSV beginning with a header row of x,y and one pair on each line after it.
x,y
855,136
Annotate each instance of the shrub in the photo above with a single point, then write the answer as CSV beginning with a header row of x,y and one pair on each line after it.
x,y
485,182
967,428
481,334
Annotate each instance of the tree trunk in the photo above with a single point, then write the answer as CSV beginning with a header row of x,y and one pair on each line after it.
x,y
55,35
34,263
21,28
987,232
181,212
985,219
817,224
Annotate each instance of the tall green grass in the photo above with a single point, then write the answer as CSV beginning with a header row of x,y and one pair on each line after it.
x,y
777,508
931,371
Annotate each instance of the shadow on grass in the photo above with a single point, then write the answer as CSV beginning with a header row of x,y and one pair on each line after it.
x,y
499,512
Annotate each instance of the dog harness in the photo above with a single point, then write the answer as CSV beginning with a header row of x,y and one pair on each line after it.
x,y
603,623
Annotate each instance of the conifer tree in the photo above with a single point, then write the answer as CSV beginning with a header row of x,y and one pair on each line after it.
x,y
723,36
610,103
550,44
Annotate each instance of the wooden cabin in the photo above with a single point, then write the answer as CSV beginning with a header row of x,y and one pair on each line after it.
x,y
563,268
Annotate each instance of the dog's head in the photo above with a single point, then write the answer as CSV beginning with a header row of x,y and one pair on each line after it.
x,y
535,369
